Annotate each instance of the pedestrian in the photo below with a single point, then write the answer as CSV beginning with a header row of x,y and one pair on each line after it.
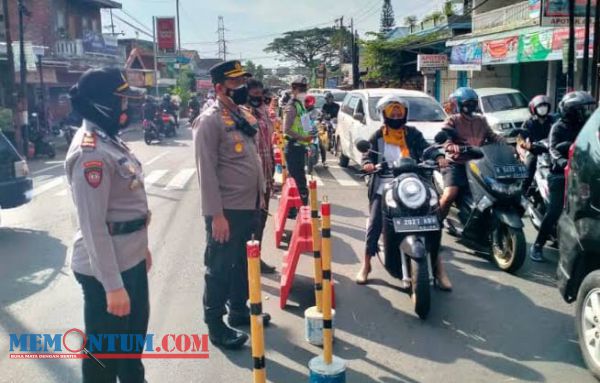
x,y
256,104
297,128
110,256
232,186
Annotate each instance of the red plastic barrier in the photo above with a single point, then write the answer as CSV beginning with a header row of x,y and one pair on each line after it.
x,y
290,198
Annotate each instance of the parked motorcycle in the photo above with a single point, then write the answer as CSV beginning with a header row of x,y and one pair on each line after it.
x,y
168,124
37,136
411,227
491,210
150,131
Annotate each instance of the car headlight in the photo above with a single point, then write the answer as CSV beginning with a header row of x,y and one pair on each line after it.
x,y
503,126
412,192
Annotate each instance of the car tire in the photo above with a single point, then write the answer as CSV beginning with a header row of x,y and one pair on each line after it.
x,y
344,161
590,289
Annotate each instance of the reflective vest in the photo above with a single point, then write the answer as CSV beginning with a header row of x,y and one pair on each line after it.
x,y
297,125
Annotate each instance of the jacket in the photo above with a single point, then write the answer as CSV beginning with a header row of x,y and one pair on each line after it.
x,y
560,133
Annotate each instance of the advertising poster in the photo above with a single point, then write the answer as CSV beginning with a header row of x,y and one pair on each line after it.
x,y
165,32
555,13
536,46
501,51
466,57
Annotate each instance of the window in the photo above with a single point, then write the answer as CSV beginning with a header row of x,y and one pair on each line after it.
x,y
61,20
360,107
349,104
95,25
339,96
420,109
85,24
500,102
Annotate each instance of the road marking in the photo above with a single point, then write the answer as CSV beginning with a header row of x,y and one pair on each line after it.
x,y
153,160
181,179
344,178
46,169
48,185
154,176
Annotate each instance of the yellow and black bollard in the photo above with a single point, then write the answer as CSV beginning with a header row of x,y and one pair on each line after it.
x,y
327,368
256,322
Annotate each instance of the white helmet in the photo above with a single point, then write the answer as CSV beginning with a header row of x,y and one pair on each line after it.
x,y
386,100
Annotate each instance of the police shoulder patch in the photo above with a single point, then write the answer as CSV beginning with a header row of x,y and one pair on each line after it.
x,y
88,141
92,171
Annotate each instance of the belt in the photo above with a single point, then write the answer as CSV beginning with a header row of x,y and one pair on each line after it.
x,y
127,227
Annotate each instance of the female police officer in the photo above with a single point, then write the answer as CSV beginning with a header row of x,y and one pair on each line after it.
x,y
110,255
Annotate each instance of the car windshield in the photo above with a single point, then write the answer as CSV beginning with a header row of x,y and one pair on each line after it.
x,y
339,96
419,109
500,102
320,101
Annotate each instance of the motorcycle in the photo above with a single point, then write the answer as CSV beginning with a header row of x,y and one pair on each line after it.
x,y
37,136
493,206
193,113
68,131
412,231
312,153
167,124
330,125
150,131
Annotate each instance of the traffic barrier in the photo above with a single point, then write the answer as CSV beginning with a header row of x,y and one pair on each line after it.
x,y
301,242
327,367
290,198
256,321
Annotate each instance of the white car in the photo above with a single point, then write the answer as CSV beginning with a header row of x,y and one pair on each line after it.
x,y
338,94
358,118
504,108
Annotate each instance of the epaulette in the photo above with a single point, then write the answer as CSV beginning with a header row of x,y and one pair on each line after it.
x,y
88,141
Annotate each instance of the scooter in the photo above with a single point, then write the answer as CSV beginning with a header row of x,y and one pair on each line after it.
x,y
168,124
491,210
150,132
411,227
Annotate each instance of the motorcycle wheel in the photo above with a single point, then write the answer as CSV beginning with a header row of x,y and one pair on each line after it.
x,y
147,140
509,248
420,287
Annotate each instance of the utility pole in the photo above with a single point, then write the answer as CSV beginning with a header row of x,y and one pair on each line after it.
x,y
596,59
586,47
23,78
112,24
222,41
10,82
178,32
571,58
155,44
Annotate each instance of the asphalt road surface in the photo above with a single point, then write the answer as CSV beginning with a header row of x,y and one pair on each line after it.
x,y
493,327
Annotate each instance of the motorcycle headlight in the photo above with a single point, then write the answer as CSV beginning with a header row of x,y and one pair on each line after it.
x,y
412,192
433,200
389,199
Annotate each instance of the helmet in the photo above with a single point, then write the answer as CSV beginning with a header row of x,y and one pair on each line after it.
x,y
538,101
299,80
576,107
328,96
310,101
466,100
384,103
166,97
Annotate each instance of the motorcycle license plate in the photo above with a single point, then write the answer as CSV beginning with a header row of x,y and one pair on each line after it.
x,y
510,171
415,224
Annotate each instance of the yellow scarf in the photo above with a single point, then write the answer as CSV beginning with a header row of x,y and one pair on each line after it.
x,y
396,137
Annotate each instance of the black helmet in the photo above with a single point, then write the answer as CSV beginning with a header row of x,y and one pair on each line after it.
x,y
576,107
328,95
167,97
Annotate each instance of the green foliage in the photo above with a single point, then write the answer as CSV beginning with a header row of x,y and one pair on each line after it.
x,y
250,67
184,83
448,8
387,17
259,74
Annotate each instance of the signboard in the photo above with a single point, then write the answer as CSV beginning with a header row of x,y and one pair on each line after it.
x,y
204,84
94,42
555,13
432,62
501,51
535,8
535,46
165,32
466,57
136,78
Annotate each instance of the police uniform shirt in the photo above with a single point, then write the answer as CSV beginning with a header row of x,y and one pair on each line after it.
x,y
229,167
107,186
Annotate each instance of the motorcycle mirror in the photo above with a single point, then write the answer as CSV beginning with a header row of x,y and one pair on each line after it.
x,y
363,146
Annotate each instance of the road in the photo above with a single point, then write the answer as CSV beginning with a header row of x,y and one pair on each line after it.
x,y
493,327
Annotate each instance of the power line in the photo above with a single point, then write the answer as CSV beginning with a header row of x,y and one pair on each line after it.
x,y
133,26
136,20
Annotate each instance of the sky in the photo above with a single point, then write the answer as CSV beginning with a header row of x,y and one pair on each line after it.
x,y
252,24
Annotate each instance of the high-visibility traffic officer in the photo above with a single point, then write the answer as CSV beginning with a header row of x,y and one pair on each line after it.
x,y
110,255
297,127
232,186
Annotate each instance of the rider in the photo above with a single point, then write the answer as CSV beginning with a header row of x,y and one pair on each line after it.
x,y
168,105
297,130
574,110
538,128
149,109
394,140
210,100
194,105
315,115
330,108
467,128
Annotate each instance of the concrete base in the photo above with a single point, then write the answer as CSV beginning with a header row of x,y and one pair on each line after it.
x,y
327,373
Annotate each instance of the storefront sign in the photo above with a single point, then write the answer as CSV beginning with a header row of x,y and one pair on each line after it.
x,y
535,46
165,31
136,78
466,57
101,44
562,34
502,51
535,7
555,13
432,62
204,84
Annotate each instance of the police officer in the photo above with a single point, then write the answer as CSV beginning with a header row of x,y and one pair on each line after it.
x,y
232,185
297,131
110,256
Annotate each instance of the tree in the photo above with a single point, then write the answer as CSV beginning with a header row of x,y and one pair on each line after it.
x,y
259,74
307,48
448,8
250,67
410,21
387,17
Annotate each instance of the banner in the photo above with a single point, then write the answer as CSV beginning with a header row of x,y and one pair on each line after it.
x,y
562,34
535,8
466,57
165,32
502,51
536,46
555,13
94,42
432,62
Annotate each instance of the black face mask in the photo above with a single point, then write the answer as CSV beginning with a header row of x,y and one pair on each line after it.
x,y
468,108
255,101
238,95
394,123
